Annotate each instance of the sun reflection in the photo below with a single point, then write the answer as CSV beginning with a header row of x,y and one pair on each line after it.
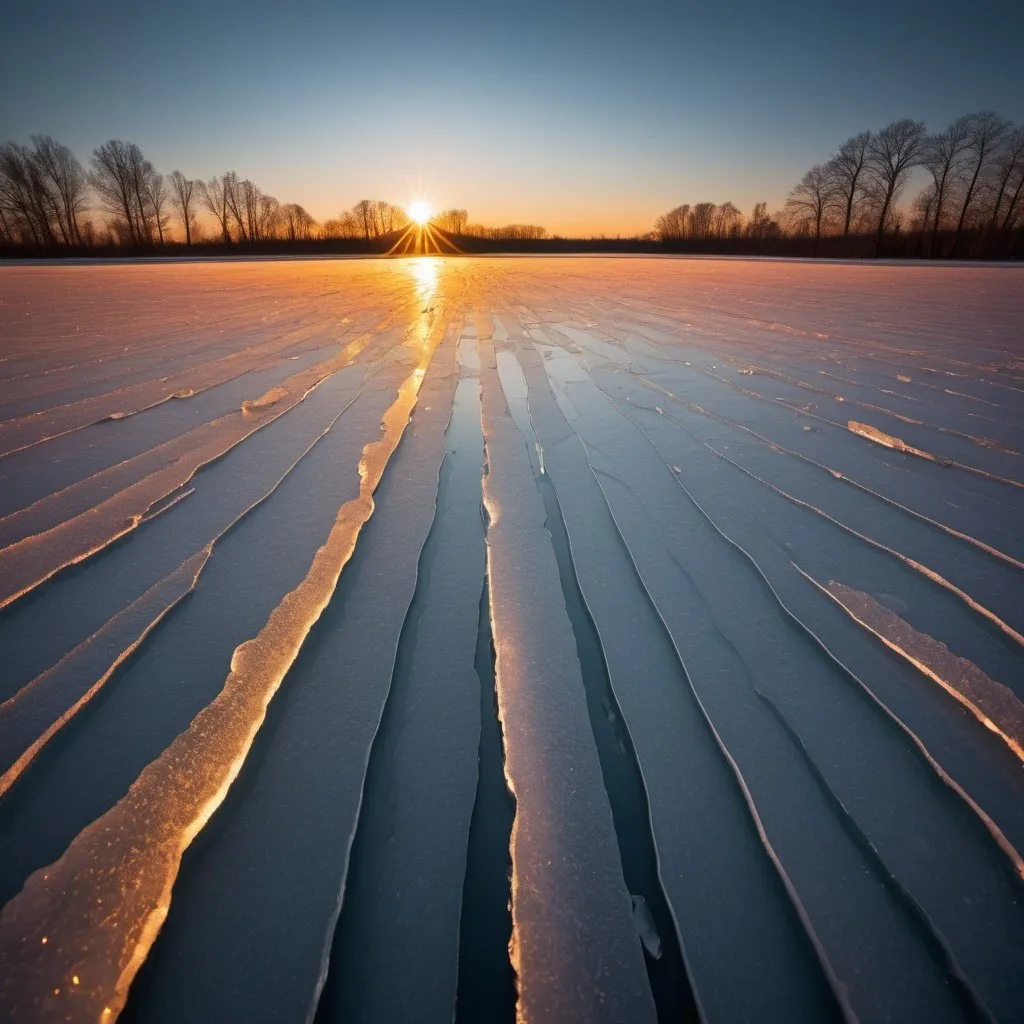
x,y
424,270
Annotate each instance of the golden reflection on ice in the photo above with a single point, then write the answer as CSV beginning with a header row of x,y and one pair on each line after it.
x,y
35,558
73,939
107,897
149,610
571,914
994,705
424,273
994,830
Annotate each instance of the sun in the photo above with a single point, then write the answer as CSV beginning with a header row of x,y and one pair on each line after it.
x,y
420,211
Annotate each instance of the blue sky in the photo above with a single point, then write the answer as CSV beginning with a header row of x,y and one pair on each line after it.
x,y
579,116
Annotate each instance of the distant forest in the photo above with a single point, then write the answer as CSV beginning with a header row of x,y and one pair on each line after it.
x,y
848,206
973,206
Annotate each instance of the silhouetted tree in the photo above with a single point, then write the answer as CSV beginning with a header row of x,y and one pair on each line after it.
x,y
985,133
183,200
23,196
157,195
214,197
757,226
119,178
268,216
387,217
508,232
66,181
363,211
846,170
235,201
923,209
376,217
813,198
727,221
674,225
257,211
451,222
892,155
296,222
345,225
942,155
1007,180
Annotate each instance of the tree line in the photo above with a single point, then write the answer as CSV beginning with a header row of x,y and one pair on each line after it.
x,y
47,202
849,205
46,197
708,222
972,206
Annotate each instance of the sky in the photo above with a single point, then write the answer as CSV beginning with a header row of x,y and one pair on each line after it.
x,y
585,117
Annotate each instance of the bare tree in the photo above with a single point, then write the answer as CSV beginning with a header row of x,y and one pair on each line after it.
x,y
757,226
923,209
846,169
701,221
813,198
183,200
214,197
235,202
451,222
268,216
345,225
351,225
257,209
119,179
508,232
383,217
363,212
296,223
943,156
142,175
6,232
67,180
892,155
985,133
24,196
1007,179
250,198
157,195
728,221
246,203
674,225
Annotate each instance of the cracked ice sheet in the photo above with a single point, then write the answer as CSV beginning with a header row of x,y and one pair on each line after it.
x,y
418,798
145,834
570,909
841,726
728,905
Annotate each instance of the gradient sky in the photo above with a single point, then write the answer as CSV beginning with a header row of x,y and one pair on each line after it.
x,y
581,116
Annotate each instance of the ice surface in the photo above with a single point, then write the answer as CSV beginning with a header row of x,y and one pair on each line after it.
x,y
404,891
791,494
570,908
714,875
127,860
290,833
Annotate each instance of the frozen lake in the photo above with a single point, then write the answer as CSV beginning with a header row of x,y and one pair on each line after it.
x,y
588,639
